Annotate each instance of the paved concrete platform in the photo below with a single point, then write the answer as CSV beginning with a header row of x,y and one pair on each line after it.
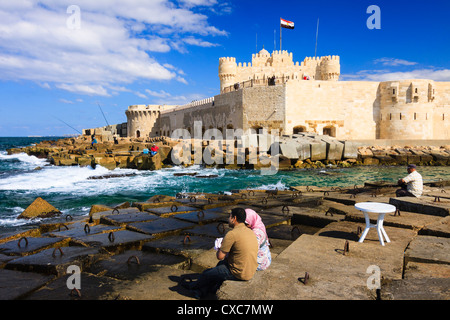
x,y
333,275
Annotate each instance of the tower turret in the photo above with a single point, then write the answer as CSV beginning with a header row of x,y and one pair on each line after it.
x,y
330,68
227,72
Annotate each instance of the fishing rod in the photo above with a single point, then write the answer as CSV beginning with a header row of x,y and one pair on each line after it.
x,y
68,125
103,113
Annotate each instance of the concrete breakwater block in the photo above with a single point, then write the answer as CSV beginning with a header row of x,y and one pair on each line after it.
x,y
160,227
113,241
202,216
16,235
418,270
92,288
55,261
26,246
39,208
289,232
417,289
169,210
81,229
142,206
126,218
317,217
213,230
133,263
428,249
440,228
17,284
187,246
421,205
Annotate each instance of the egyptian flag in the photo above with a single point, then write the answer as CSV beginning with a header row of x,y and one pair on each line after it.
x,y
286,24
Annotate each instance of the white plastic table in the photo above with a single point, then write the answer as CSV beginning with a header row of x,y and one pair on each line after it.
x,y
381,209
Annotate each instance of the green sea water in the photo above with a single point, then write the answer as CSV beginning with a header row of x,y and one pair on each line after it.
x,y
73,191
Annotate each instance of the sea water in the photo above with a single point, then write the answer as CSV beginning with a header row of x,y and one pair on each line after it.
x,y
73,190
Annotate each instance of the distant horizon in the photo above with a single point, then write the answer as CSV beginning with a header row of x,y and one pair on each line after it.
x,y
64,65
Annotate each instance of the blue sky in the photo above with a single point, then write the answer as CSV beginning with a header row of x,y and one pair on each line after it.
x,y
59,62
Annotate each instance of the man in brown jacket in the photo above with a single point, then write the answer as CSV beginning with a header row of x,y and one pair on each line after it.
x,y
237,254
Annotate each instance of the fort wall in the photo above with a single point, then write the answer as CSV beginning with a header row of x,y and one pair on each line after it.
x,y
340,109
221,112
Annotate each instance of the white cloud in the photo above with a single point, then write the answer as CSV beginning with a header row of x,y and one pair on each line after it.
x,y
394,62
110,49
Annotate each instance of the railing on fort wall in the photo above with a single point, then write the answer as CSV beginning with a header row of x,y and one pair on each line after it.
x,y
256,83
195,103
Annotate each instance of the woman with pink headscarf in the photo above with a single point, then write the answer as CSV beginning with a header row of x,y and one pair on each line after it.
x,y
254,222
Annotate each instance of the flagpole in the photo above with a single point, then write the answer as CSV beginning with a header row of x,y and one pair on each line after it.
x,y
280,34
274,39
317,35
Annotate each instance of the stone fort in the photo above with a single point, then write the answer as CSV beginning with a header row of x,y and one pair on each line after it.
x,y
274,92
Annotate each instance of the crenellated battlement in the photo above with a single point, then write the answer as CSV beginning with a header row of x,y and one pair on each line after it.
x,y
279,64
227,59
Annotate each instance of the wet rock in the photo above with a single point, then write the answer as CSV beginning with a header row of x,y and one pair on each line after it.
x,y
39,209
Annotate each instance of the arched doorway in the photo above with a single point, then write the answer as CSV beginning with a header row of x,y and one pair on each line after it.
x,y
299,129
138,133
329,131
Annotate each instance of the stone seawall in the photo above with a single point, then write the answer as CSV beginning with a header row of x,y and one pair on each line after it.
x,y
298,151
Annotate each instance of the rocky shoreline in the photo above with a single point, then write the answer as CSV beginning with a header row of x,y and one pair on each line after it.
x,y
294,152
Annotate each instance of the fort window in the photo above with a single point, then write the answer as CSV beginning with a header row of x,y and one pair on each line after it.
x,y
415,116
443,116
415,91
393,91
400,116
390,116
138,134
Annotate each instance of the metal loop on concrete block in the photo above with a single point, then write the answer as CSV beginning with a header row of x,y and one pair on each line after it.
x,y
135,258
62,224
111,236
26,242
60,251
176,208
221,228
201,214
87,228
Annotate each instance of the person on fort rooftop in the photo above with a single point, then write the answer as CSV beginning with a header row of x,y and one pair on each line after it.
x,y
412,184
237,254
254,222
